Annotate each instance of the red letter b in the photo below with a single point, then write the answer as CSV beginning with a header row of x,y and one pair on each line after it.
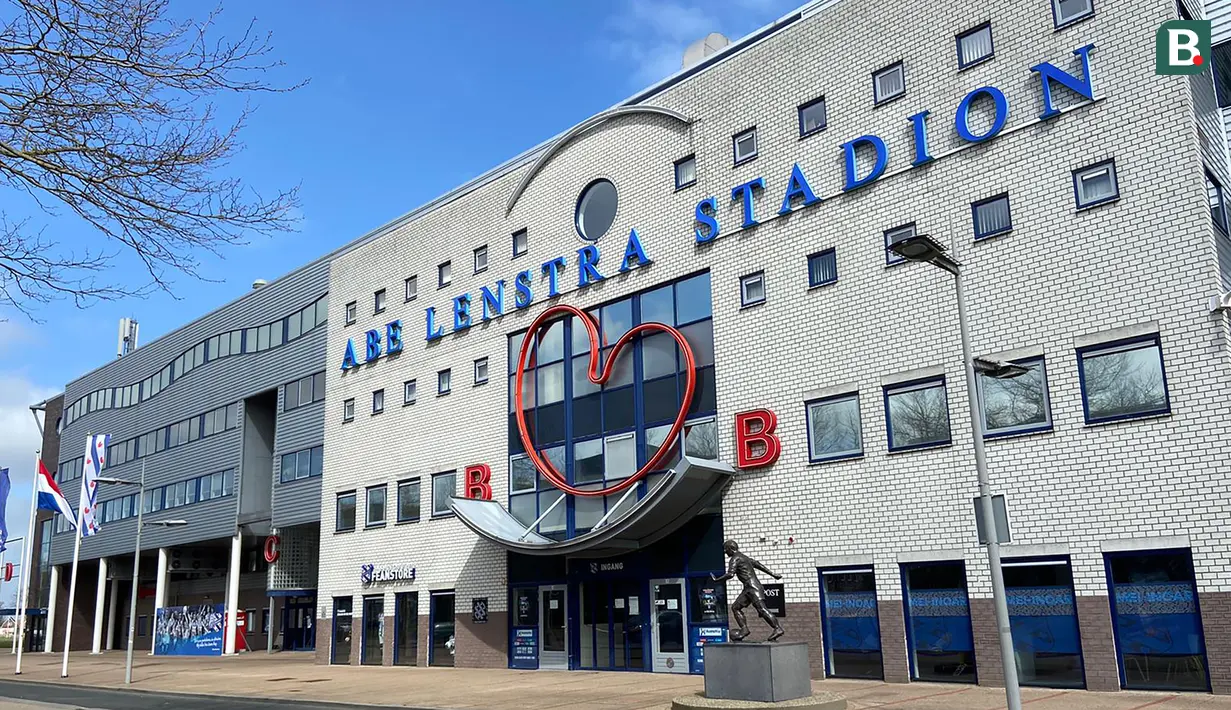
x,y
479,481
755,442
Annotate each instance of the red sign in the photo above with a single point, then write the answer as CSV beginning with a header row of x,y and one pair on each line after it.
x,y
756,443
8,571
271,549
545,466
478,481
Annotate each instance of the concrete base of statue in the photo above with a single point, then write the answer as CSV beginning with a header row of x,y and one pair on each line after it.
x,y
758,675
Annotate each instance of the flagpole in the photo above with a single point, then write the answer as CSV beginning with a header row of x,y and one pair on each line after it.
x,y
72,580
24,603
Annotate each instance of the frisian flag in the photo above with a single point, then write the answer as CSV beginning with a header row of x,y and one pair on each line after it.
x,y
5,485
50,497
95,459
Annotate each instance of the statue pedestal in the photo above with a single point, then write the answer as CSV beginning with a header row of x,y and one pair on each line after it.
x,y
762,672
758,675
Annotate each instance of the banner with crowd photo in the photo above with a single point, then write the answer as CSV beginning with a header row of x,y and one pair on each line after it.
x,y
190,630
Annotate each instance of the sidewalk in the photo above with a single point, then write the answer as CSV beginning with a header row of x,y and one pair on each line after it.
x,y
297,677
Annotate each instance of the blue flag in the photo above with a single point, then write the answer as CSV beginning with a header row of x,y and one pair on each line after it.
x,y
5,485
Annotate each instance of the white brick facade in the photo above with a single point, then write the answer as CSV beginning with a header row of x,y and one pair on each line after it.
x,y
1148,260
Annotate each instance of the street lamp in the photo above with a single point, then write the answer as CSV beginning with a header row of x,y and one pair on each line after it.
x,y
922,247
141,524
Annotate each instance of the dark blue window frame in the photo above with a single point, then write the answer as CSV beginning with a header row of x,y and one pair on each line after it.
x,y
904,571
1083,353
432,505
333,636
337,511
744,301
519,233
889,390
1115,178
603,403
367,506
1026,429
891,258
808,425
675,171
991,41
441,389
1220,218
1055,16
974,215
818,101
877,99
826,645
832,254
397,628
1072,589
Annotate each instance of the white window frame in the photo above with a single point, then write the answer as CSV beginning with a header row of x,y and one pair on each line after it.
x,y
410,288
1060,21
352,313
877,97
745,282
367,507
686,160
1045,425
480,255
735,141
444,274
891,257
1081,174
409,392
483,364
437,477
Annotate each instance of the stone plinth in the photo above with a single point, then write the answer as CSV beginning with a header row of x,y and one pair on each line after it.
x,y
761,672
818,701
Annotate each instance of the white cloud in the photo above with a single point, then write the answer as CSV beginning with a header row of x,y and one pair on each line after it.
x,y
19,439
650,36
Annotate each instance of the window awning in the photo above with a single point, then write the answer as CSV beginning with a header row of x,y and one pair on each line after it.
x,y
691,486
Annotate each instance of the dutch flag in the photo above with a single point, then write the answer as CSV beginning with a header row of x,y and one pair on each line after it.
x,y
50,497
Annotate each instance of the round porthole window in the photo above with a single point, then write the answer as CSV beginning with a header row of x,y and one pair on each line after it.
x,y
596,209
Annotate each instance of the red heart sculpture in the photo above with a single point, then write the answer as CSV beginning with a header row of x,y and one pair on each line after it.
x,y
545,466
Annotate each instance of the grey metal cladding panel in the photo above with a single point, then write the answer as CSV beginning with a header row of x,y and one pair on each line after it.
x,y
220,383
297,502
210,520
259,307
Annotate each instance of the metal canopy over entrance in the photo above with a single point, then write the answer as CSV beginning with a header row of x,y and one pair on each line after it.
x,y
689,487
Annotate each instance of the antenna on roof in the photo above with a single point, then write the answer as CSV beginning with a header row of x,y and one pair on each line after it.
x,y
703,48
127,341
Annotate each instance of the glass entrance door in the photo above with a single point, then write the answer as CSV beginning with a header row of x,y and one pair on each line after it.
x,y
373,653
612,634
851,625
440,653
297,631
406,629
553,631
669,628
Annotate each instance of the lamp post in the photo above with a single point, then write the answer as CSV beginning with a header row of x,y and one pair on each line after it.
x,y
141,524
922,247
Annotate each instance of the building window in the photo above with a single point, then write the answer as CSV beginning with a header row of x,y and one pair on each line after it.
x,y
378,401
991,216
521,242
834,430
1218,209
344,512
889,83
596,209
823,268
686,171
444,382
444,485
752,289
1123,380
1040,596
480,371
348,410
300,393
1015,405
480,259
297,465
411,286
745,145
408,501
376,507
974,46
1066,12
917,414
408,392
352,311
379,298
1096,184
444,274
812,117
894,236
1222,73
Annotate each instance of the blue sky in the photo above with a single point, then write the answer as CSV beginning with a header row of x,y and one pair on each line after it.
x,y
405,101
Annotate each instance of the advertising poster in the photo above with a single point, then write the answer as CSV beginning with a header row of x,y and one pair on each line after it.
x,y
525,649
190,631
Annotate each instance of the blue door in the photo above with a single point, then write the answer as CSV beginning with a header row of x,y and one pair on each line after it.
x,y
851,625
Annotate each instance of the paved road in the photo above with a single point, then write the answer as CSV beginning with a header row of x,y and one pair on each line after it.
x,y
80,698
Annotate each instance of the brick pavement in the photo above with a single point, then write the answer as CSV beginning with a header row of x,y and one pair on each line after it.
x,y
295,676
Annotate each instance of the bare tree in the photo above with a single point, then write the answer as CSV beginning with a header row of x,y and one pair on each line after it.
x,y
919,416
1014,401
835,427
104,111
1124,382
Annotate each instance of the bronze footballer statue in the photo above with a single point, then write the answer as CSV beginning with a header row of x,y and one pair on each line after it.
x,y
745,568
